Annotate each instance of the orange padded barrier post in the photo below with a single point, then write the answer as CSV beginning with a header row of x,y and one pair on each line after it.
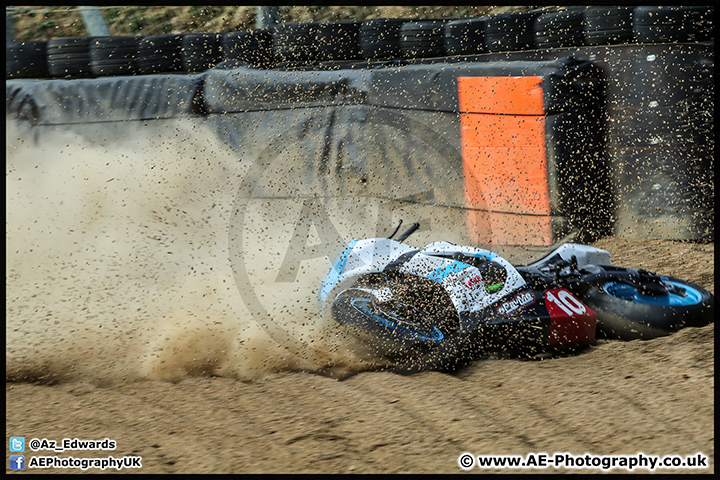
x,y
505,167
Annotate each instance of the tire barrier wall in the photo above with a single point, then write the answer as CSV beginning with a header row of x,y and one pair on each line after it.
x,y
576,172
336,41
423,98
533,182
660,134
662,144
387,137
571,96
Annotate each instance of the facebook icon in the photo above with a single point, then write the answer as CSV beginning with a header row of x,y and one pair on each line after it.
x,y
17,462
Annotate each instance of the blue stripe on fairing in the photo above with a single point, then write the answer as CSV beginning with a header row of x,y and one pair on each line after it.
x,y
485,256
441,273
336,271
361,305
437,335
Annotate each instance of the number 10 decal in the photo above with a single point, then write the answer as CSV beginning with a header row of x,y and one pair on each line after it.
x,y
571,321
566,301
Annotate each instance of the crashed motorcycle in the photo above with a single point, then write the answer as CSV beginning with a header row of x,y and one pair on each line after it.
x,y
443,305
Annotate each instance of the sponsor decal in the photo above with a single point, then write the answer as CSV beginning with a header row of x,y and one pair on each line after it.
x,y
521,300
474,281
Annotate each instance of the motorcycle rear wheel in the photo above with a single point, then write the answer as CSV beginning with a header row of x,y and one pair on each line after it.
x,y
628,311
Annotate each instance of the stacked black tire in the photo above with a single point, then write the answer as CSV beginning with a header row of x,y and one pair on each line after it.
x,y
317,42
559,29
200,51
668,24
160,54
114,55
608,25
338,41
510,31
425,38
656,24
465,36
26,60
249,47
295,42
69,56
380,38
383,38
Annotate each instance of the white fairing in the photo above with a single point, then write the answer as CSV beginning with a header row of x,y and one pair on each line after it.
x,y
359,257
466,286
463,282
584,254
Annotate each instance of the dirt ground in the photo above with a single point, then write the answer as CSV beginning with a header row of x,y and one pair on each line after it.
x,y
617,398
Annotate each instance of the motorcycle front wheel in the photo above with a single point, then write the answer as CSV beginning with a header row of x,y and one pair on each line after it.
x,y
394,327
630,311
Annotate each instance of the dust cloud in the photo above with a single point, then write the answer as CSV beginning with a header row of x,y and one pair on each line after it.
x,y
117,263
